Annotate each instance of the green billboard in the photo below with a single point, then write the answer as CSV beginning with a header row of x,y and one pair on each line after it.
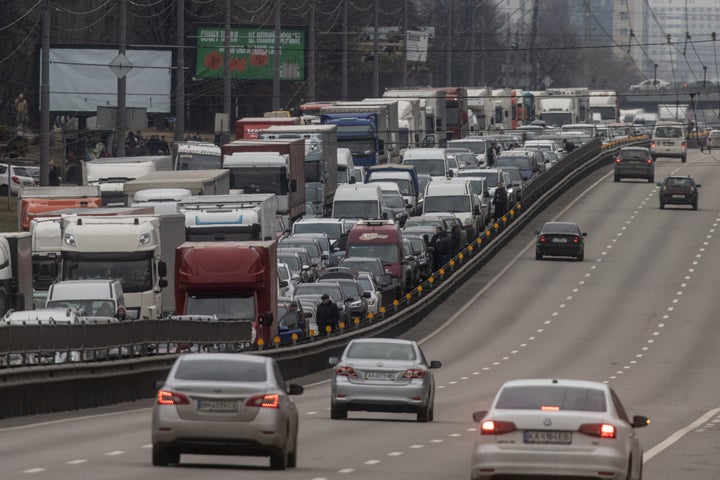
x,y
252,53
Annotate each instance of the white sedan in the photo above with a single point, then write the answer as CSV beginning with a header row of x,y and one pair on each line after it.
x,y
558,428
367,282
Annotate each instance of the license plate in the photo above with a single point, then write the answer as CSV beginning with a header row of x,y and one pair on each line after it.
x,y
559,240
668,143
217,406
387,376
678,196
533,436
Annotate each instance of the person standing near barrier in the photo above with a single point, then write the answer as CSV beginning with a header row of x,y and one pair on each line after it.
x,y
327,314
500,199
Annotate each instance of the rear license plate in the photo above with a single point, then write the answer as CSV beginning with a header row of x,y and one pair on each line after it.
x,y
678,196
669,143
217,406
559,240
533,436
387,376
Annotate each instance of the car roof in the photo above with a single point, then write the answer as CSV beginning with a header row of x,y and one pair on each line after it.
x,y
560,382
240,357
394,341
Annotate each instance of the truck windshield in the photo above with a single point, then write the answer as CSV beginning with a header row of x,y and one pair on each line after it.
x,y
430,166
447,203
197,161
135,275
332,230
520,162
259,180
45,272
231,307
477,147
358,146
556,119
355,209
387,252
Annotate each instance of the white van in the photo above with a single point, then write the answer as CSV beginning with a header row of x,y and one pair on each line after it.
x,y
432,161
454,198
100,298
358,201
345,167
669,139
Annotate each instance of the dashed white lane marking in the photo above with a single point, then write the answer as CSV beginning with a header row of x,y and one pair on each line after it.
x,y
437,440
34,470
115,453
372,462
346,470
454,434
395,454
319,478
417,446
649,454
76,462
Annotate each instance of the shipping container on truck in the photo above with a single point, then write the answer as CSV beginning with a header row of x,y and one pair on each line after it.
x,y
199,182
362,129
231,281
432,102
391,119
112,172
320,160
34,200
249,127
285,178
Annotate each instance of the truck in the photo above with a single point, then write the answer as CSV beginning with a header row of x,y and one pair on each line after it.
x,y
404,176
229,217
15,271
199,182
229,281
46,234
249,127
362,129
389,108
112,172
321,168
432,103
479,109
604,106
138,250
195,155
269,166
34,200
561,106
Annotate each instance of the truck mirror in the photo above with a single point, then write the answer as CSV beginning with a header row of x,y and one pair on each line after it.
x,y
162,283
384,215
381,146
162,269
267,319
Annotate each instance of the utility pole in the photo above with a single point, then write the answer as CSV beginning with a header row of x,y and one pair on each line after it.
x,y
473,50
180,74
311,55
276,60
448,46
45,97
405,44
227,86
122,83
376,53
586,44
344,73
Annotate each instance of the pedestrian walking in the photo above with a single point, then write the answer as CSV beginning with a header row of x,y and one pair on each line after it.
x,y
500,200
327,315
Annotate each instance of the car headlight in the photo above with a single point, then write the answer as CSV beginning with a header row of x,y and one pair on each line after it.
x,y
356,304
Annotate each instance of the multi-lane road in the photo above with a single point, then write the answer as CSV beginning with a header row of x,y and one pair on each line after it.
x,y
641,312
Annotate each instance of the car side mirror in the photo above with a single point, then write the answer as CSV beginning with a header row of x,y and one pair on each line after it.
x,y
659,184
267,319
333,361
479,415
698,185
435,364
367,295
476,209
640,421
162,269
295,389
162,283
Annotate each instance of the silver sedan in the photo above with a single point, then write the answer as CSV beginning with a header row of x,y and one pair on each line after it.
x,y
383,375
225,404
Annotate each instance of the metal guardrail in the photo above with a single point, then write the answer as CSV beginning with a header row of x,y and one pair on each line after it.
x,y
31,390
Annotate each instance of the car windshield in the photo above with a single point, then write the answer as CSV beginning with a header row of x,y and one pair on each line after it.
x,y
332,230
355,209
421,221
216,370
668,132
552,397
312,247
380,351
291,261
678,182
361,266
476,147
430,166
319,288
633,155
560,228
520,162
387,252
365,284
491,177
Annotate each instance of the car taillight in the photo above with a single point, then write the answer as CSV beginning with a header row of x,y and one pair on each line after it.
x,y
684,145
542,239
414,373
618,160
343,371
166,397
576,239
649,160
602,430
652,144
15,180
269,400
494,427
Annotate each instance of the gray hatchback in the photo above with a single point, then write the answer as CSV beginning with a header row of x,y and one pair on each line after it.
x,y
634,162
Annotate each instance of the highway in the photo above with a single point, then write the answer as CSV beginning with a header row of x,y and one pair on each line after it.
x,y
638,313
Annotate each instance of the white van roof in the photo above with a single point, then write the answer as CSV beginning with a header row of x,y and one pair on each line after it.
x,y
424,153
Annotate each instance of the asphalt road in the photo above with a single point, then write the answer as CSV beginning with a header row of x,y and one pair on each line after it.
x,y
640,313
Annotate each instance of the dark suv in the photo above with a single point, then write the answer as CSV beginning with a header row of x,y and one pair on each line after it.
x,y
679,190
634,162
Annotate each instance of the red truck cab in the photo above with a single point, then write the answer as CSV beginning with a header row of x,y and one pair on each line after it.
x,y
381,239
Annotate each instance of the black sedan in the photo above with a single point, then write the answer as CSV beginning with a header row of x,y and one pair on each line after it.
x,y
560,239
679,190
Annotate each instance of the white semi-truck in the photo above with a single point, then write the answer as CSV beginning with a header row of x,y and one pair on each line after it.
x,y
138,250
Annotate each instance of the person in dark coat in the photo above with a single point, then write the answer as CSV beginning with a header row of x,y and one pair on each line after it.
x,y
568,146
442,246
455,237
490,154
500,200
53,175
327,314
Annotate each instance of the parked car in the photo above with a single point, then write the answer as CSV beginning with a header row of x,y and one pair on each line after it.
x,y
713,140
560,239
557,428
634,162
650,85
383,375
679,190
16,180
224,404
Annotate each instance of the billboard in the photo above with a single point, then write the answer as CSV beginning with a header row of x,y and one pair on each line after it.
x,y
251,53
81,79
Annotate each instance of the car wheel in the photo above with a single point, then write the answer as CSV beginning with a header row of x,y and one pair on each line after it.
x,y
538,255
338,413
292,456
654,157
662,205
651,179
684,159
423,415
3,190
279,460
617,178
162,457
432,412
581,256
694,206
